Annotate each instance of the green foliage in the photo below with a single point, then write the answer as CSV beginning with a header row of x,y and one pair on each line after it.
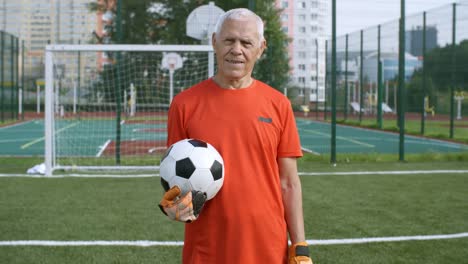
x,y
445,67
440,65
273,67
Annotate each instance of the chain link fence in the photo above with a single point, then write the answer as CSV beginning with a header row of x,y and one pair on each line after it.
x,y
435,98
9,77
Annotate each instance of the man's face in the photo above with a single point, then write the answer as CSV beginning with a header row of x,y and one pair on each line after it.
x,y
237,48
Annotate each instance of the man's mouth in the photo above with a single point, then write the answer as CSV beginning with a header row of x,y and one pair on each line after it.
x,y
235,61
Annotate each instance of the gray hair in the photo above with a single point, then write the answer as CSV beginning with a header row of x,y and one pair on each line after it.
x,y
239,13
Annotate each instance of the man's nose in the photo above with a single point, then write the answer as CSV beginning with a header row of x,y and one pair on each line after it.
x,y
236,48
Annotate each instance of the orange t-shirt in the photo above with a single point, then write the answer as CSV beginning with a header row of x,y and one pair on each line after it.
x,y
251,128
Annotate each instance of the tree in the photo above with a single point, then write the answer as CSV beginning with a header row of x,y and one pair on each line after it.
x,y
441,72
439,65
273,67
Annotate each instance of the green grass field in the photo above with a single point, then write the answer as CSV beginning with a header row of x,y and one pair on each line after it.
x,y
432,128
335,207
385,205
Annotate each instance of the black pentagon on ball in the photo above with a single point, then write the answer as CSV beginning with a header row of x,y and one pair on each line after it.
x,y
165,184
184,168
198,143
217,170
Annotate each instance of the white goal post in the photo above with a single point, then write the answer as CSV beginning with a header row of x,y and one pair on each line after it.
x,y
106,105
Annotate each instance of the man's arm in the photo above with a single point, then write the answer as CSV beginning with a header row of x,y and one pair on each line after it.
x,y
292,201
292,198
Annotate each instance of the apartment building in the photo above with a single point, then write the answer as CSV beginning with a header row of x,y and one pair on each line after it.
x,y
306,22
39,22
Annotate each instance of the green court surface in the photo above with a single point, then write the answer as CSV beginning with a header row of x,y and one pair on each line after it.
x,y
316,138
76,138
79,137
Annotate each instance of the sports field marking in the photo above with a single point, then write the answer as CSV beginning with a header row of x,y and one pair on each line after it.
x,y
147,243
310,151
343,173
102,148
27,145
16,124
385,172
339,137
14,140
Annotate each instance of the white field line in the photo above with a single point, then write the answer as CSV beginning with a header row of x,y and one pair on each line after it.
x,y
27,145
409,172
343,173
16,124
310,151
147,243
102,148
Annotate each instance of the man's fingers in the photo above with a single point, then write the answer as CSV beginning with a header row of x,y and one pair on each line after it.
x,y
172,193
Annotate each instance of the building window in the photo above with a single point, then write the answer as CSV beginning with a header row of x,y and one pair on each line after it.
x,y
314,4
301,67
301,54
302,5
302,29
284,29
301,42
284,17
284,4
302,17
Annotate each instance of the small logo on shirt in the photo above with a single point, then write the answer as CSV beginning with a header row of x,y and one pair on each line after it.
x,y
265,119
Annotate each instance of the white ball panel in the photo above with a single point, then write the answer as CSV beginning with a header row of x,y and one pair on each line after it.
x,y
167,168
181,150
215,154
214,188
202,158
183,184
201,179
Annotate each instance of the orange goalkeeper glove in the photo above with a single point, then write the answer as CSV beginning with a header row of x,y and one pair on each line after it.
x,y
299,254
183,208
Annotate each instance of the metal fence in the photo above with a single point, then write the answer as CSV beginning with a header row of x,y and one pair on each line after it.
x,y
436,70
9,77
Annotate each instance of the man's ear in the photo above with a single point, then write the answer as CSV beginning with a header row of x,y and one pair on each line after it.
x,y
213,39
263,46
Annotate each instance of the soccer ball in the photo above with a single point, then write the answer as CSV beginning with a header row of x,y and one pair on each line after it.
x,y
192,164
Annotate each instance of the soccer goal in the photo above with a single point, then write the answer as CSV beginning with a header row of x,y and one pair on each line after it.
x,y
106,105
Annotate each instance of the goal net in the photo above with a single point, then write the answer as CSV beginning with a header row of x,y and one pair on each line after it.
x,y
106,105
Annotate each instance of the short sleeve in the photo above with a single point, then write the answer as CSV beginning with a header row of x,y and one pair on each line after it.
x,y
289,145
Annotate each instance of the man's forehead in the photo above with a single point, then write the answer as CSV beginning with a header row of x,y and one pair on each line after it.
x,y
229,27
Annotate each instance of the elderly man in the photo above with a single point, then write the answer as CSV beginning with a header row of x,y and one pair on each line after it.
x,y
253,127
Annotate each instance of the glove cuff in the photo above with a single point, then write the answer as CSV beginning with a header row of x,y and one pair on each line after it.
x,y
299,249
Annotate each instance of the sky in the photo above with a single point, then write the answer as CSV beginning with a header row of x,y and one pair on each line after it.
x,y
354,15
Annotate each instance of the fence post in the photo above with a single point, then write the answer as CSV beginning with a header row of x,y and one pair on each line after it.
x,y
379,82
361,77
401,83
424,77
346,81
2,70
453,68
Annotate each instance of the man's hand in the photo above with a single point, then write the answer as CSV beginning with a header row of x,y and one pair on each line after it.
x,y
299,254
182,207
